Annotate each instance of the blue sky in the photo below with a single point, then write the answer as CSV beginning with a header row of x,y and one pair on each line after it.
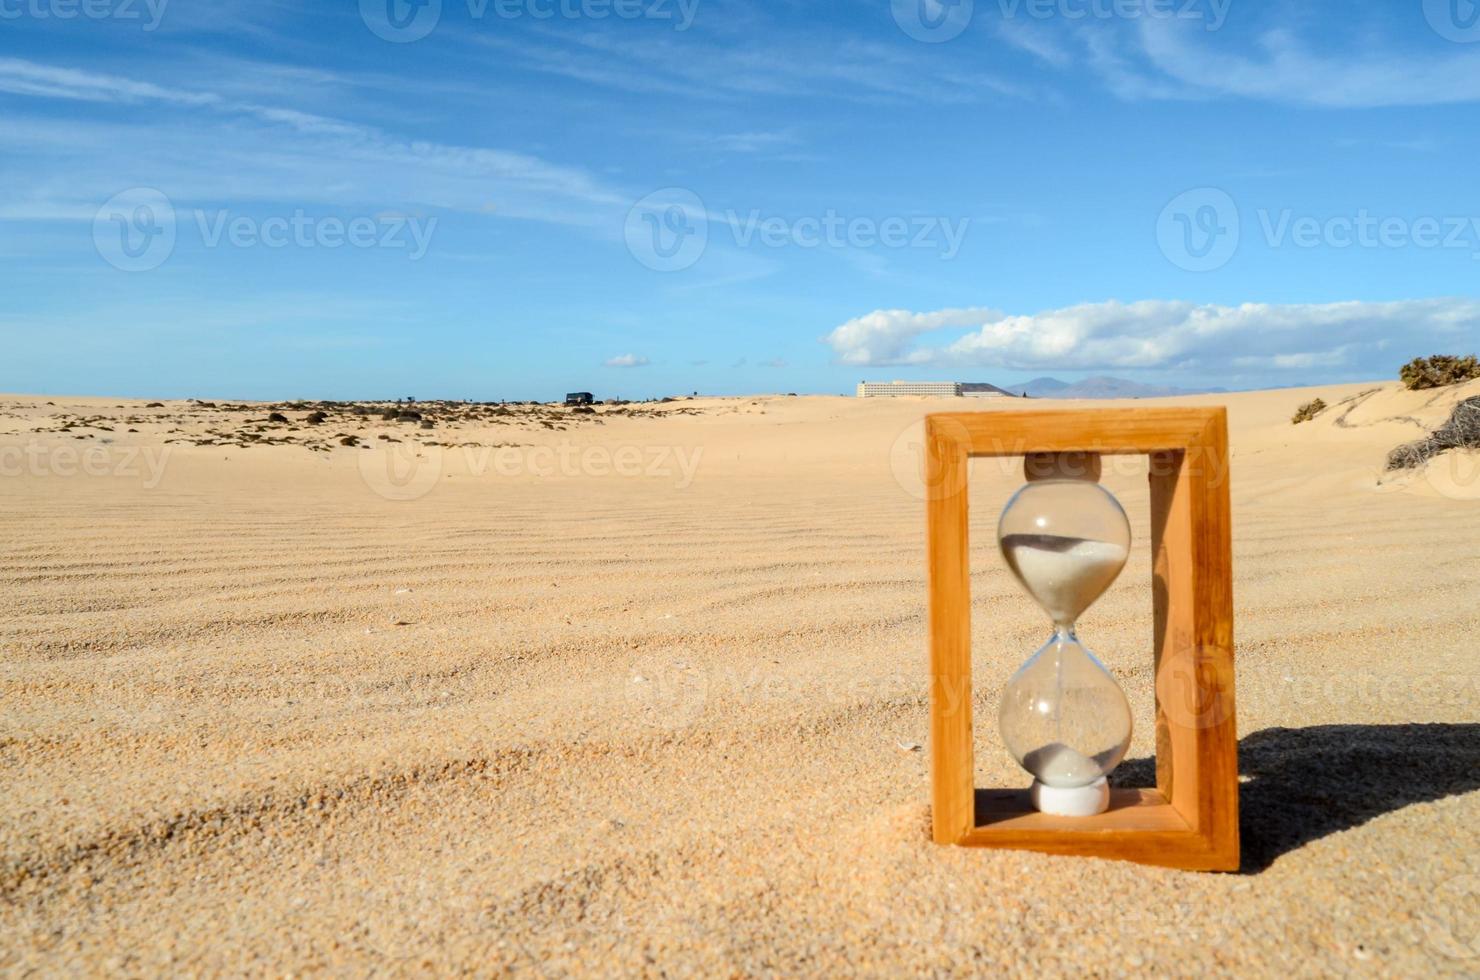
x,y
516,198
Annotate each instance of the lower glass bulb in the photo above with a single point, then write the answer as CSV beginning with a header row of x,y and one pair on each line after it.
x,y
1063,717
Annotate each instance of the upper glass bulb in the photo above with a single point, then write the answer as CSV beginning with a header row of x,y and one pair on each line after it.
x,y
1066,541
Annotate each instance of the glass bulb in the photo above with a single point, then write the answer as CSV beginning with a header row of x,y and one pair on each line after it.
x,y
1066,541
1063,717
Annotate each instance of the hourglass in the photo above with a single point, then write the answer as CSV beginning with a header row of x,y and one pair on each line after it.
x,y
1063,717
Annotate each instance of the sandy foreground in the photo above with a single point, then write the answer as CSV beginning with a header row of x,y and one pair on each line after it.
x,y
646,693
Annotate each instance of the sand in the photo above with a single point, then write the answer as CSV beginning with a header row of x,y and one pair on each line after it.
x,y
1064,574
588,702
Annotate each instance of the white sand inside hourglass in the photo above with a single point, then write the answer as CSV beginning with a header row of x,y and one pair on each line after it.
x,y
1064,574
1061,765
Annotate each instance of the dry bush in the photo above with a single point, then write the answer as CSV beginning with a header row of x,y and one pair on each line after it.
x,y
1438,371
1462,431
1308,411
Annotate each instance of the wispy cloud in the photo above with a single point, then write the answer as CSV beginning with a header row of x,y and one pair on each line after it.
x,y
689,67
1039,41
1172,58
1284,68
754,142
225,148
627,361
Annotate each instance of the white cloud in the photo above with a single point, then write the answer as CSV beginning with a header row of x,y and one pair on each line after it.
x,y
1285,69
626,361
1165,334
884,336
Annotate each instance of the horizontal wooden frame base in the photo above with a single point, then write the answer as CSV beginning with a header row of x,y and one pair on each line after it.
x,y
1190,820
1141,825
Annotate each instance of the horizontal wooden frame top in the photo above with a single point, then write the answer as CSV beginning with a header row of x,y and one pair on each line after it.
x,y
1191,819
1124,432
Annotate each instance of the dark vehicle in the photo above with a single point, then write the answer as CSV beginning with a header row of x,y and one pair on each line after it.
x,y
579,398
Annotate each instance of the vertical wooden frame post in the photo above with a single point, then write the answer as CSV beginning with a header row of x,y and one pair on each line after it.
x,y
1191,819
952,758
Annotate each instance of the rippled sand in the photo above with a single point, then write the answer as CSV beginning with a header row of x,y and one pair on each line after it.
x,y
278,710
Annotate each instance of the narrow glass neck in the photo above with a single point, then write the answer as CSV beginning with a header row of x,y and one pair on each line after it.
x,y
1064,632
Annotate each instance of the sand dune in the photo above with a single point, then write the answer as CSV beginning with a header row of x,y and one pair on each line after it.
x,y
644,692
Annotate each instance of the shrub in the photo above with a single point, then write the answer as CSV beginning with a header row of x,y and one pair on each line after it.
x,y
1438,371
1462,431
1308,411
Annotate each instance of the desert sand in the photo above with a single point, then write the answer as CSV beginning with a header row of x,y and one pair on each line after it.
x,y
645,693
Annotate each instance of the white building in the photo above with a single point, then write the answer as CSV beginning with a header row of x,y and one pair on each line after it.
x,y
894,389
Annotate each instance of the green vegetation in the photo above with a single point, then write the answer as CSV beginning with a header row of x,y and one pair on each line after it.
x,y
1308,411
1438,371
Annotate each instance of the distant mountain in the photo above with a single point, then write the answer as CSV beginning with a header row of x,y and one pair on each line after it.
x,y
1039,388
1101,387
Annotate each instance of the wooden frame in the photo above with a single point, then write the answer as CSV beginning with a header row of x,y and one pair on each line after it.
x,y
1191,819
